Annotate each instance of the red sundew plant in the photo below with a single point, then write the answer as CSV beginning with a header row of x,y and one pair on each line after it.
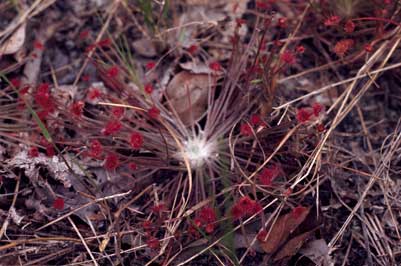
x,y
150,65
148,88
206,219
58,204
304,115
113,72
193,49
349,26
152,141
77,108
246,129
317,109
111,162
343,46
154,112
215,66
153,242
288,57
255,120
33,152
268,174
245,206
117,112
95,149
332,21
132,166
94,94
38,45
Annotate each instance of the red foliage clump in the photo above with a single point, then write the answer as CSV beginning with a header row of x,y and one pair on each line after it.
x,y
77,108
38,45
105,42
153,242
255,120
94,93
215,66
349,26
15,82
158,208
33,152
268,174
113,72
288,57
193,49
148,88
207,219
117,111
343,46
150,65
317,109
245,206
332,21
303,115
368,48
300,49
154,112
246,130
84,34
43,97
132,166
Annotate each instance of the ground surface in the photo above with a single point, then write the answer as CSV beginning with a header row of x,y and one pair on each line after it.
x,y
225,132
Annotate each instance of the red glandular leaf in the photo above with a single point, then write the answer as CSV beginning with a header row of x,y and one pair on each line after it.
x,y
150,65
268,174
111,128
136,140
245,206
111,162
303,115
246,130
148,88
77,108
58,204
117,111
33,152
215,66
95,149
153,112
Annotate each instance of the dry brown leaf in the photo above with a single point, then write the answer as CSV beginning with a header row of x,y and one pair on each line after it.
x,y
188,95
317,251
282,228
15,42
145,47
292,246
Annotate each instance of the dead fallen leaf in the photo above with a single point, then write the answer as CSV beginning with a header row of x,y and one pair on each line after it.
x,y
145,47
188,95
292,246
15,42
57,168
196,68
317,251
282,228
243,241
